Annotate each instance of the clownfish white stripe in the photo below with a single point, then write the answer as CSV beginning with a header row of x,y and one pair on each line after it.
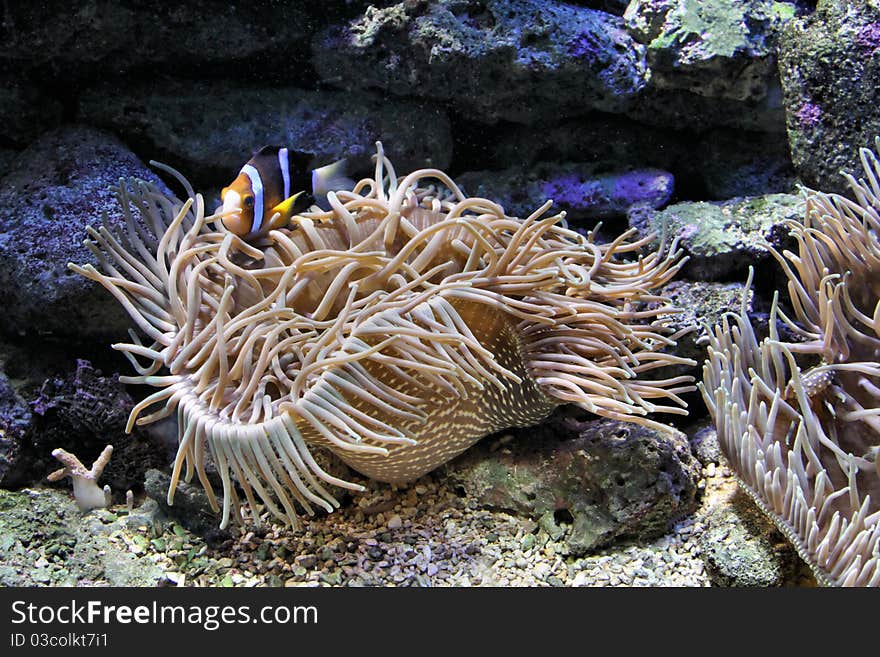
x,y
257,186
284,163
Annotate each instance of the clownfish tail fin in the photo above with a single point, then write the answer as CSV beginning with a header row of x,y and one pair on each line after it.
x,y
331,178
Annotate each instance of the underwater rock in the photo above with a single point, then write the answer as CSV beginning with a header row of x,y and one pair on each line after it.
x,y
596,479
7,157
715,48
616,7
67,403
704,443
712,63
57,186
675,109
720,163
184,124
46,541
609,138
25,112
85,410
584,191
829,63
15,425
701,304
85,400
92,37
723,239
736,163
740,548
191,507
490,60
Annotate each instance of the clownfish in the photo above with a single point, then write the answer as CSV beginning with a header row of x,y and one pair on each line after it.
x,y
259,199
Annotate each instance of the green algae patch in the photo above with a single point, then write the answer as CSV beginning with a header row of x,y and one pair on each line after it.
x,y
723,238
46,541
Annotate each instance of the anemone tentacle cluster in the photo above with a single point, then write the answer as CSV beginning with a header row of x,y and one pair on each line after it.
x,y
799,421
395,329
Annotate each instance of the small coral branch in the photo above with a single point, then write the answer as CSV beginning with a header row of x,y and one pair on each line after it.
x,y
85,482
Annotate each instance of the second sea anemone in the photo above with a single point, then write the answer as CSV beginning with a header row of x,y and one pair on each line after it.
x,y
799,419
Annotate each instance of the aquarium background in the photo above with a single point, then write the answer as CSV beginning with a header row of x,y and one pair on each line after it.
x,y
697,120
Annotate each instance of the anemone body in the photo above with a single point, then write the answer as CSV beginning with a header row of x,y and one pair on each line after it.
x,y
395,329
799,421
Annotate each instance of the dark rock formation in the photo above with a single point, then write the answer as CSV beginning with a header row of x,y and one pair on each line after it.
x,y
717,164
209,138
712,63
521,60
734,164
723,238
715,48
85,411
701,304
25,112
704,443
72,405
595,479
15,426
59,185
740,548
829,63
584,191
596,137
673,109
102,36
191,507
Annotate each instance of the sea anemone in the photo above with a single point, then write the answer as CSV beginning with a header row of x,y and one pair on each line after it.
x,y
395,329
799,421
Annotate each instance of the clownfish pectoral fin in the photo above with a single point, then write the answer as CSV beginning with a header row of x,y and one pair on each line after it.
x,y
290,206
331,178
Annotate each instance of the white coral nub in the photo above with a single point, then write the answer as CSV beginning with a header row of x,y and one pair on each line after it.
x,y
86,492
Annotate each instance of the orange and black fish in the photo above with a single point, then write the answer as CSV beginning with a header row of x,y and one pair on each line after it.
x,y
259,198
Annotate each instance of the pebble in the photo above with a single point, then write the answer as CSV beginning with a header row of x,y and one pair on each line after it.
x,y
429,536
306,560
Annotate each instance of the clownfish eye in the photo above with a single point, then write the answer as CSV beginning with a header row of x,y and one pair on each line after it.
x,y
248,202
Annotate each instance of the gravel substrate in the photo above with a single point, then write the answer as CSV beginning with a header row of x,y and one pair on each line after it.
x,y
426,535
